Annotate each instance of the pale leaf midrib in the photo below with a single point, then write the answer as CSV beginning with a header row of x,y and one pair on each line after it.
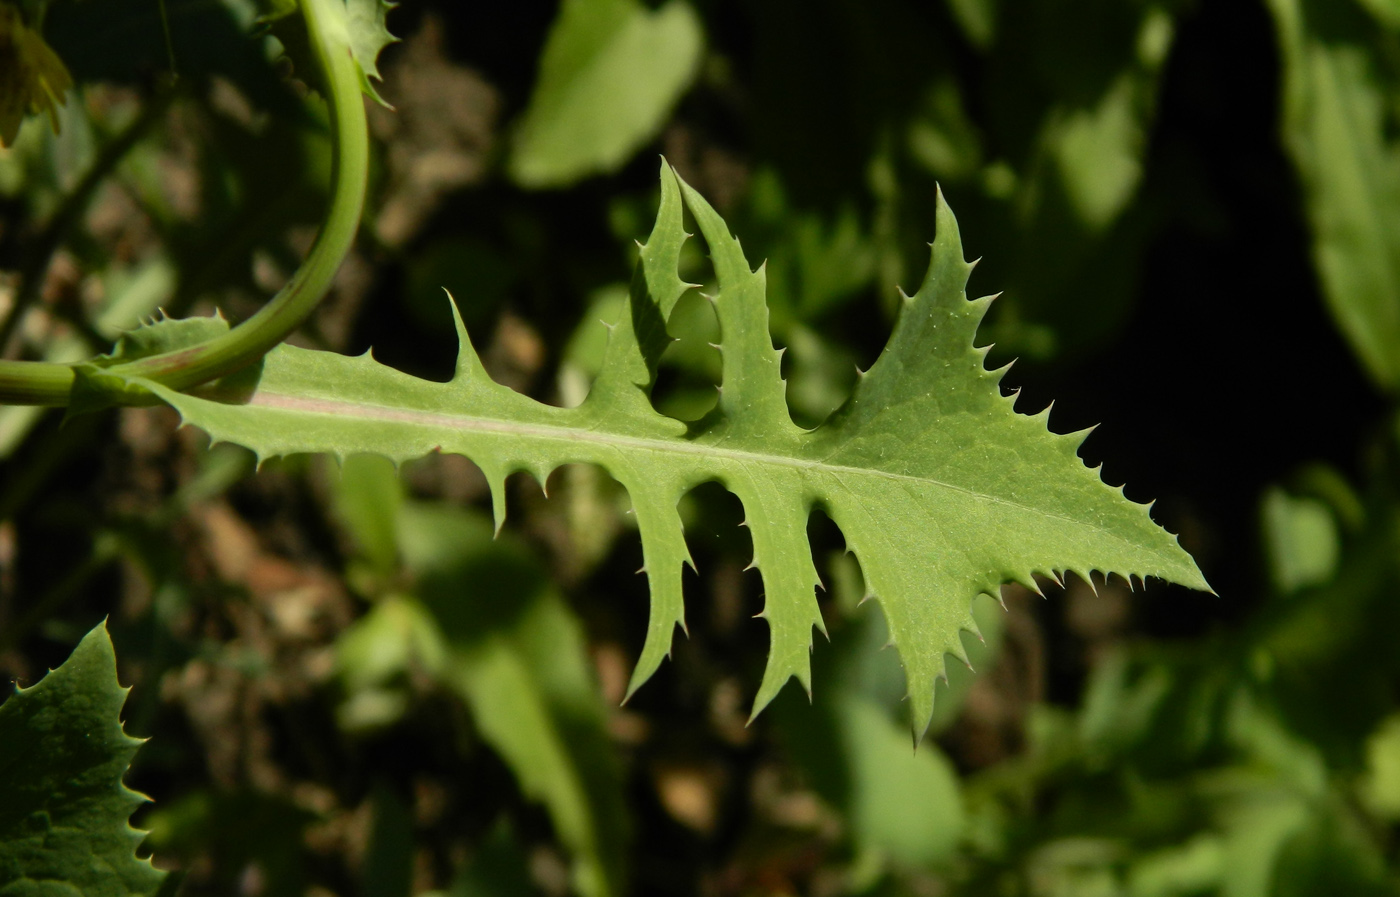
x,y
462,422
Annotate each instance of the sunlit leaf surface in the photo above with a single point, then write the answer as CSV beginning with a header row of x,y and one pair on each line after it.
x,y
942,490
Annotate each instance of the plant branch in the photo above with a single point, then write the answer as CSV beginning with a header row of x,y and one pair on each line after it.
x,y
40,383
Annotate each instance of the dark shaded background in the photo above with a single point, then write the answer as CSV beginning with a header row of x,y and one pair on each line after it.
x,y
1190,327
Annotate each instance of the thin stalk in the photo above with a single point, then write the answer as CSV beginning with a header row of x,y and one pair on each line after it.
x,y
41,383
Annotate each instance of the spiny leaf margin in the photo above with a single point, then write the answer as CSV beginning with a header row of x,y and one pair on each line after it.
x,y
359,26
64,810
94,388
941,489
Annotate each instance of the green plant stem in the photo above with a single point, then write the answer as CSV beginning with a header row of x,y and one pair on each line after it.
x,y
42,383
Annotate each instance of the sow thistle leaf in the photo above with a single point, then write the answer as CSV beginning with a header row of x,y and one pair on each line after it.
x,y
357,25
95,388
941,490
368,37
63,807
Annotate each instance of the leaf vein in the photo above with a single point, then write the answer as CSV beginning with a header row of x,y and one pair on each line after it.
x,y
334,408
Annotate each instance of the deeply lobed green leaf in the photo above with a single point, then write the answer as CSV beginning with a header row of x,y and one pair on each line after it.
x,y
942,491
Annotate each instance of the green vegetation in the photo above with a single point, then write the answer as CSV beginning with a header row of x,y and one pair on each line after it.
x,y
354,682
64,827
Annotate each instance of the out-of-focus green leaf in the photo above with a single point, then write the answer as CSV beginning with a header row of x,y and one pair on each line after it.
x,y
491,629
610,73
978,19
1191,868
1387,12
34,77
1258,733
1380,787
1077,866
377,652
388,864
815,263
834,262
1257,825
1335,639
1072,100
1335,92
499,868
38,166
1121,702
900,800
588,346
236,829
1328,485
1301,539
133,294
1098,153
981,650
942,137
64,811
820,375
125,41
517,658
368,501
902,803
1332,854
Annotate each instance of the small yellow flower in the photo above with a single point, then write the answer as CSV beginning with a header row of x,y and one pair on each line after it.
x,y
32,77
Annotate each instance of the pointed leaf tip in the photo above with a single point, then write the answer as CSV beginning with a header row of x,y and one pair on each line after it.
x,y
63,753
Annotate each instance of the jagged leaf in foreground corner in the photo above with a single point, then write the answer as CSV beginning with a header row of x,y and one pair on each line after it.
x,y
63,808
609,75
941,490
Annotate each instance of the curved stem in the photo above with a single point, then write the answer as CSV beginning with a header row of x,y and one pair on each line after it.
x,y
42,383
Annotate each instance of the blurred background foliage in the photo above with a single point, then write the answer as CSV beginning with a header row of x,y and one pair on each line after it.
x,y
1193,210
